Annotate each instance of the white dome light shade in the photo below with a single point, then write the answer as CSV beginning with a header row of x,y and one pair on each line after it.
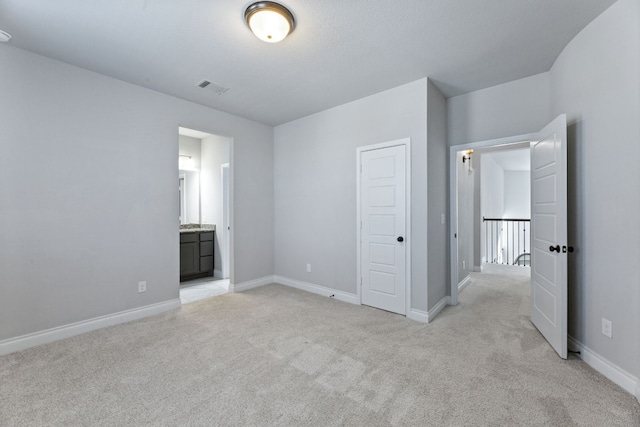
x,y
269,26
269,21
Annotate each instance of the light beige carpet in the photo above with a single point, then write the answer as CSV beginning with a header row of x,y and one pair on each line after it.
x,y
279,356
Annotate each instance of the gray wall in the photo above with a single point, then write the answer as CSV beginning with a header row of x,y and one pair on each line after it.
x,y
491,201
89,195
466,216
492,187
517,194
437,195
189,146
510,109
315,181
596,81
215,153
478,237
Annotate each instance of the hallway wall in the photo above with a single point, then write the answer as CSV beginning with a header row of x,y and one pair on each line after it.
x,y
514,108
596,81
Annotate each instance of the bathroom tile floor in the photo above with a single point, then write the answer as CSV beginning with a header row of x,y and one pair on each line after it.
x,y
194,290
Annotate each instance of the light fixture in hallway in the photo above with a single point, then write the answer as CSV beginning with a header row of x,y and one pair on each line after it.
x,y
467,157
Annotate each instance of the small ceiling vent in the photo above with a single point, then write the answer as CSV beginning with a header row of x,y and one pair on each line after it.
x,y
218,89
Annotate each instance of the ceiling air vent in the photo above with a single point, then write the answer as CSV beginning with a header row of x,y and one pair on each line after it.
x,y
218,89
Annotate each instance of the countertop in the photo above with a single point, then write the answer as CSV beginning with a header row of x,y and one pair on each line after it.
x,y
196,228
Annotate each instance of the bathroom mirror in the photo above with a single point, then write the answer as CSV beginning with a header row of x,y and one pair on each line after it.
x,y
189,191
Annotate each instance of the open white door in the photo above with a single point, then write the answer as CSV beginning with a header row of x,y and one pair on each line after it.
x,y
383,222
549,233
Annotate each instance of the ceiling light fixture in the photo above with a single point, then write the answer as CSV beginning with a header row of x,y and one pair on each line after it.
x,y
269,21
5,37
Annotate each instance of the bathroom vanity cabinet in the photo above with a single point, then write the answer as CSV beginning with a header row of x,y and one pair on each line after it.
x,y
196,254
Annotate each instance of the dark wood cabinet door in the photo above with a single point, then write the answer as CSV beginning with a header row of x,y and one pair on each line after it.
x,y
189,258
206,263
196,255
206,248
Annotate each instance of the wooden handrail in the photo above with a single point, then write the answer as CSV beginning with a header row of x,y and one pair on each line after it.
x,y
504,219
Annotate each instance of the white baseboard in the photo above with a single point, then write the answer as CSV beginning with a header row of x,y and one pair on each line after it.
x,y
438,307
413,313
251,284
217,274
23,342
418,315
465,282
318,289
428,316
610,370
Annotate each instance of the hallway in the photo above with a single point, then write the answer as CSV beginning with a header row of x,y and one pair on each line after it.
x,y
501,293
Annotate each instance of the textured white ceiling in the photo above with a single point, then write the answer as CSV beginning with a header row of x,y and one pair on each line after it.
x,y
340,51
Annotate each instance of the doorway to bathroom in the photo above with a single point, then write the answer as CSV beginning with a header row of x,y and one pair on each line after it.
x,y
204,193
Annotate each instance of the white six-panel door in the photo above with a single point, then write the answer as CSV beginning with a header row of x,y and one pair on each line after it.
x,y
549,234
383,226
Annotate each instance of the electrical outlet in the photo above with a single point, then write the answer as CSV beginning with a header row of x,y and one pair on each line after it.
x,y
142,287
464,264
441,218
308,268
606,328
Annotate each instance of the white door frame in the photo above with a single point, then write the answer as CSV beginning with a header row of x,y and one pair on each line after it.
x,y
231,192
226,212
232,221
453,199
408,238
183,198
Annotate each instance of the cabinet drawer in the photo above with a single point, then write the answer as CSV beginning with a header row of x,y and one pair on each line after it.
x,y
206,248
206,236
206,263
188,237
